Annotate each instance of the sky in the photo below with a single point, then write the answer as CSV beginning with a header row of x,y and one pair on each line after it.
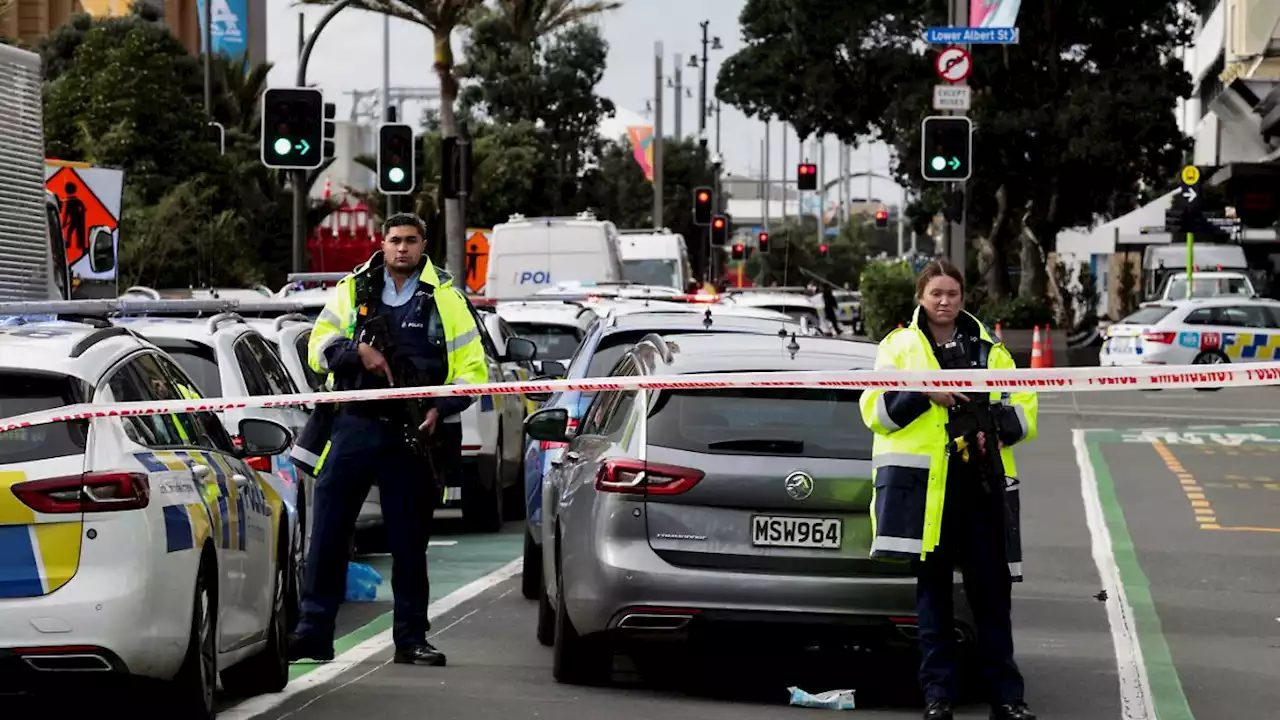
x,y
349,56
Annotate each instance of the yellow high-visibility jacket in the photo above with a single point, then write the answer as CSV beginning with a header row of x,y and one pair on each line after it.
x,y
909,453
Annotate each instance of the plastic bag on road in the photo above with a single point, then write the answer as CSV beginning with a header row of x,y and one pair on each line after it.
x,y
362,582
829,700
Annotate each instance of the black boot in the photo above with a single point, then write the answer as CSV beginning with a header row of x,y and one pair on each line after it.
x,y
302,647
938,710
424,654
1017,710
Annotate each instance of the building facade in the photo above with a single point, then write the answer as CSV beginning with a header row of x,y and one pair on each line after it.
x,y
239,26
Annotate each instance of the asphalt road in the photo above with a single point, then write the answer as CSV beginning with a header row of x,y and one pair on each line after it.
x,y
1152,561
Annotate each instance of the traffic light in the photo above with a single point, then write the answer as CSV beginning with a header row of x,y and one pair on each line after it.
x,y
739,251
292,128
882,218
719,230
456,173
330,112
946,148
396,171
702,206
762,242
807,176
822,248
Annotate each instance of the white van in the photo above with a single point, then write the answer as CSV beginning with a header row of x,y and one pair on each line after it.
x,y
1161,261
655,257
531,254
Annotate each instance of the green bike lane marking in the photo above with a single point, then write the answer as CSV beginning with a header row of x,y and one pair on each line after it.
x,y
451,567
1167,694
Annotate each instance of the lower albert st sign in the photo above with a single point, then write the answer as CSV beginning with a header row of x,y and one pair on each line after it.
x,y
951,97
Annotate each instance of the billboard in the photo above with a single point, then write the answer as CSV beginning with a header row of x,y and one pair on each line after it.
x,y
993,13
90,219
230,34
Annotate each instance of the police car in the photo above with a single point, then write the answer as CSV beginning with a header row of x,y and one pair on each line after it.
x,y
1195,332
136,545
555,327
288,335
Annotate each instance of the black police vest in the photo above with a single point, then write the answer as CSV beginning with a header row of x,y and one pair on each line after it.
x,y
418,334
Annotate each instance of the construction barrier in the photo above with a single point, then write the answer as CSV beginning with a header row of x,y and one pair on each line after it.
x,y
1151,377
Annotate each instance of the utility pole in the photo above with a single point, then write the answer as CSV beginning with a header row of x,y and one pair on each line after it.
x,y
679,135
387,113
208,58
768,189
658,222
702,87
957,231
820,153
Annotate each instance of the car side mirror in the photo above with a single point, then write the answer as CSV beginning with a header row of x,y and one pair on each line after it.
x,y
540,396
102,249
554,369
259,437
548,425
521,349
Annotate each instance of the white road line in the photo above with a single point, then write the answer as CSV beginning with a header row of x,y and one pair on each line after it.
x,y
1136,701
378,643
1087,413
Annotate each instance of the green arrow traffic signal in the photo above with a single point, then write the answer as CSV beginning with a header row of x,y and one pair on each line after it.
x,y
955,163
282,146
938,162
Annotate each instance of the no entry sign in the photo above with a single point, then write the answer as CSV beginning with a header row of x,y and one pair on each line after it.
x,y
953,64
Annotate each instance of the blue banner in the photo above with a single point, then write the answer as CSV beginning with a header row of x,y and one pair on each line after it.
x,y
230,26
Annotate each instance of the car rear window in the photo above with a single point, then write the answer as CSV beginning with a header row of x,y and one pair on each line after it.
x,y
1147,315
199,361
22,393
555,342
804,422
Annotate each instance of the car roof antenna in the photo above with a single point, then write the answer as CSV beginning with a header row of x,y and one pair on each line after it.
x,y
706,319
793,347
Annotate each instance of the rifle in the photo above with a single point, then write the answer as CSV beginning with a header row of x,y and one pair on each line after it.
x,y
413,411
973,430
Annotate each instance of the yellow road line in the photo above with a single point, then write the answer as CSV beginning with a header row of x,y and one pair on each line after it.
x,y
1205,516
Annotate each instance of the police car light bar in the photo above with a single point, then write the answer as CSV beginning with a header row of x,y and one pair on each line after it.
x,y
126,306
315,277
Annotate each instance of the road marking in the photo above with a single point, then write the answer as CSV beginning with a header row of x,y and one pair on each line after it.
x,y
1088,413
378,643
1206,518
1148,678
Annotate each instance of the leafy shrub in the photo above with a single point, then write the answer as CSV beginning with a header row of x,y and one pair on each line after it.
x,y
888,296
1017,313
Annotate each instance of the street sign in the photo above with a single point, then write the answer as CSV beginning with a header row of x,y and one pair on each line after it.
x,y
1191,175
953,64
971,36
951,97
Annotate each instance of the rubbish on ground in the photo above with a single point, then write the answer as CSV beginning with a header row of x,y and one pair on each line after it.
x,y
362,582
829,700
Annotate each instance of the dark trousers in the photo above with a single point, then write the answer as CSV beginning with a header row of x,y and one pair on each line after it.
x,y
972,539
364,449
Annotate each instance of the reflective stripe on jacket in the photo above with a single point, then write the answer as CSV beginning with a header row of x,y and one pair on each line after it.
x,y
909,454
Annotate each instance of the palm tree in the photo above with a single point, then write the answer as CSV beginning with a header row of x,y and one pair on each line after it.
x,y
531,20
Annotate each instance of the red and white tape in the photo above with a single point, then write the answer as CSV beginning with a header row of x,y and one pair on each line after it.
x,y
1152,377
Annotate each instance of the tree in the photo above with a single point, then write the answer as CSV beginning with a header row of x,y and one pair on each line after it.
x,y
1070,123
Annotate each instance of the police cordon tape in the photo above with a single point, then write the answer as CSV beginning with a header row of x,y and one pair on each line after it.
x,y
1083,379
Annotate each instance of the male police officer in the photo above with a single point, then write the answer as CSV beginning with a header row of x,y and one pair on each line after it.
x,y
435,339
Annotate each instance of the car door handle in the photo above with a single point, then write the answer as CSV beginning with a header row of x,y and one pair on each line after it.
x,y
202,472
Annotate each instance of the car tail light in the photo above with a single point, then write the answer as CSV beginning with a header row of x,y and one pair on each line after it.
x,y
549,445
91,492
256,462
1164,338
627,475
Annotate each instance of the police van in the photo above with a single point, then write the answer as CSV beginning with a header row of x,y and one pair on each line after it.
x,y
531,254
655,257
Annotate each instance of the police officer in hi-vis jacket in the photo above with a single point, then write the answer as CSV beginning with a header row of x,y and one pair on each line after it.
x,y
424,324
938,505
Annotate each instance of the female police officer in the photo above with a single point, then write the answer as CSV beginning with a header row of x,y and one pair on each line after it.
x,y
941,511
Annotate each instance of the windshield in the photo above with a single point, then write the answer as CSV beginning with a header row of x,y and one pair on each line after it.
x,y
1147,315
1208,287
805,422
652,271
199,362
22,393
555,342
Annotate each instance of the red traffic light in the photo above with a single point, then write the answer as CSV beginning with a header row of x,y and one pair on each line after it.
x,y
718,223
808,169
822,248
704,196
882,215
764,237
738,248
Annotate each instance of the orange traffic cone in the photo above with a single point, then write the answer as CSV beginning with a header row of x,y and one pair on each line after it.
x,y
1048,346
1037,359
999,334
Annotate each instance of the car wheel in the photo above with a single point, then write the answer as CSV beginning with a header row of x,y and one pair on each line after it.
x,y
268,671
192,689
577,659
531,574
1210,357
